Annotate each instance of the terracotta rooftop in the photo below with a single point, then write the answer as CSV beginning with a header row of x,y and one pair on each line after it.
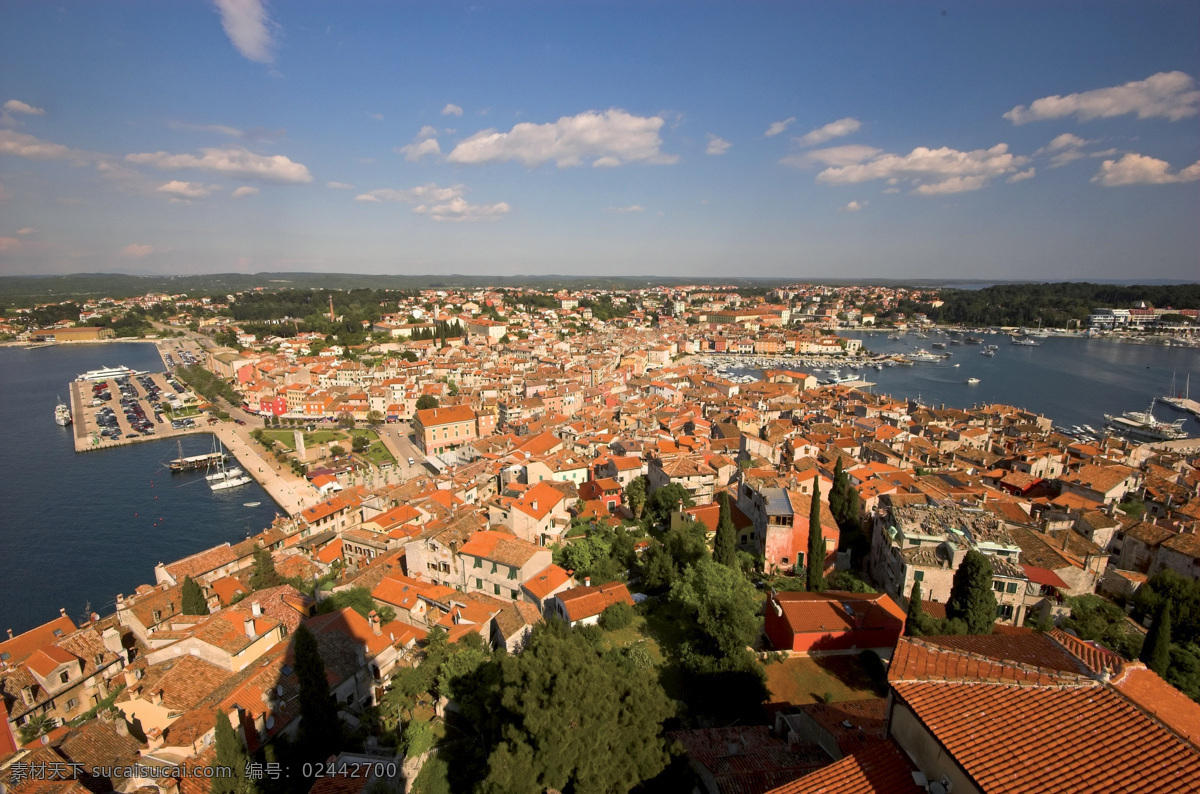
x,y
1052,740
880,769
586,602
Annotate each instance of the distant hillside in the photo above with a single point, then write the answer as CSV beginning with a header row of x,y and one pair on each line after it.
x,y
27,290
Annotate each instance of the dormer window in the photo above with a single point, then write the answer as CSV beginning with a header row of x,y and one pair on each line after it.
x,y
64,676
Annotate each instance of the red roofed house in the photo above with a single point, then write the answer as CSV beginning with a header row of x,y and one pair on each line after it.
x,y
533,516
833,622
545,584
440,429
497,563
584,604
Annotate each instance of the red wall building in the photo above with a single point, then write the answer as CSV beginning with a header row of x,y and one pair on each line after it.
x,y
833,622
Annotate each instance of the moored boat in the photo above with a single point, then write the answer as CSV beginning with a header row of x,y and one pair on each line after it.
x,y
62,414
1143,425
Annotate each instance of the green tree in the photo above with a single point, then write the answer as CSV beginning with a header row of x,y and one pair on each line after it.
x,y
463,659
971,597
264,574
1093,618
426,402
723,603
616,616
725,542
375,418
231,755
320,726
193,598
359,599
837,494
360,444
1156,650
345,420
664,501
816,542
34,727
635,495
848,582
337,450
915,610
567,716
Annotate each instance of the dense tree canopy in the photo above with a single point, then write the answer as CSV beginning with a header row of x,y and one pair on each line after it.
x,y
816,542
971,597
565,715
320,727
723,604
192,598
725,542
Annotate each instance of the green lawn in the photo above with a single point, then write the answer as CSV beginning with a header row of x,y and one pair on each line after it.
x,y
377,453
287,438
635,632
799,680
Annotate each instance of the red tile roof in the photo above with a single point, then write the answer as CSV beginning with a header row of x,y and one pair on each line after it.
x,y
546,581
881,769
1052,740
1166,703
586,602
22,645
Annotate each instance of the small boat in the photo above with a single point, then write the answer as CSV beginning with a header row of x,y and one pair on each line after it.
x,y
972,381
62,414
251,504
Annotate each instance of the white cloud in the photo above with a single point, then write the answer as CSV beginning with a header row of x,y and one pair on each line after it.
x,y
26,230
452,110
339,185
458,210
613,137
1064,141
717,145
438,203
252,134
835,155
930,171
630,208
185,190
376,116
1169,95
245,190
31,148
233,162
17,106
428,131
137,250
414,195
415,151
248,27
9,244
834,129
778,127
1137,169
854,206
1021,176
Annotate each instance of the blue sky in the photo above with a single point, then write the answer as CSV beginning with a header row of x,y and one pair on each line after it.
x,y
797,140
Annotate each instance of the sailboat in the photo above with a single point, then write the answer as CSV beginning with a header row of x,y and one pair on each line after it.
x,y
1181,402
223,477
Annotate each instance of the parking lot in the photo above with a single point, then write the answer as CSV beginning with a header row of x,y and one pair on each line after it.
x,y
129,408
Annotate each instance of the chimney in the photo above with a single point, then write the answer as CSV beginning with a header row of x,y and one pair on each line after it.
x,y
375,624
534,504
154,738
130,678
112,640
256,609
62,612
158,697
120,600
587,581
10,634
249,624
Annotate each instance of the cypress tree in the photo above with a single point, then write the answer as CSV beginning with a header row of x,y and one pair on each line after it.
x,y
915,610
971,598
1156,650
816,543
837,494
231,755
725,543
320,727
193,598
